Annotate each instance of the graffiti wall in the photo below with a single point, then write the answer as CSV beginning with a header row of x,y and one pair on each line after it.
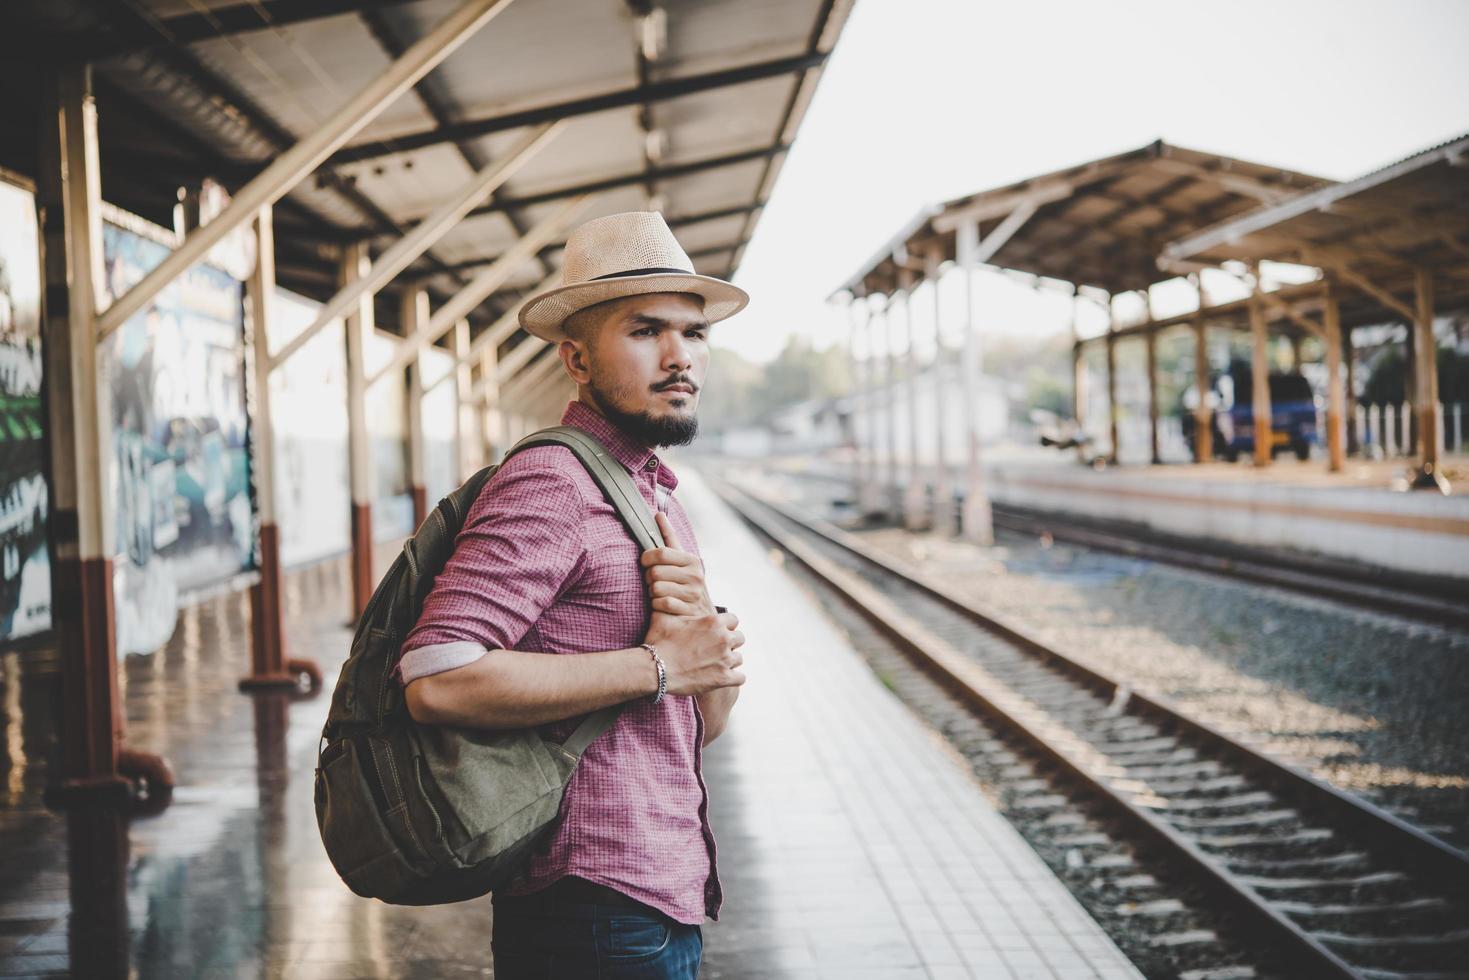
x,y
25,568
180,474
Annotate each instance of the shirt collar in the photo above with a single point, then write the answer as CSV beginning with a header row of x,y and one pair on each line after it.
x,y
626,450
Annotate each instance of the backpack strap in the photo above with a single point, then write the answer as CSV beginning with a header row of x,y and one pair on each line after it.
x,y
617,486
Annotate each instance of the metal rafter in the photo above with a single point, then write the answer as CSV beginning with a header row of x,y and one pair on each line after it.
x,y
621,98
437,102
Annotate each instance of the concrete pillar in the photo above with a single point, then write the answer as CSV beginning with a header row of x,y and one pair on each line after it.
x,y
943,488
415,314
1260,375
1203,415
1335,396
359,323
94,765
977,521
270,669
1425,385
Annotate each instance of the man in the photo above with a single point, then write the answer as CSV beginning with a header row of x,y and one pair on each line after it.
x,y
544,568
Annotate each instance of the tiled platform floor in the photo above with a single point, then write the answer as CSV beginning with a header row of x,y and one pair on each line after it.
x,y
853,843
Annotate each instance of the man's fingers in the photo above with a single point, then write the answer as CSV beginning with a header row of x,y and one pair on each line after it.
x,y
674,573
670,537
737,640
672,605
667,556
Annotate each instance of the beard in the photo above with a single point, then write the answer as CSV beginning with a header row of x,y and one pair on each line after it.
x,y
645,427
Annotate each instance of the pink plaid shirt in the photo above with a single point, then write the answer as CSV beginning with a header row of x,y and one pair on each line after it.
x,y
544,564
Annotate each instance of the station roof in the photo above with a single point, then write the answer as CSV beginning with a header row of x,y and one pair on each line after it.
x,y
1371,232
1101,223
689,107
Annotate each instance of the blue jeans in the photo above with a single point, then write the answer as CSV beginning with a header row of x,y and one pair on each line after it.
x,y
537,937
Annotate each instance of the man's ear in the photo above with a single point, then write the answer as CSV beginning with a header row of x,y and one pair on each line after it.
x,y
573,355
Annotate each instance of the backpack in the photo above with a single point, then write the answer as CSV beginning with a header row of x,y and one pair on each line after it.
x,y
426,814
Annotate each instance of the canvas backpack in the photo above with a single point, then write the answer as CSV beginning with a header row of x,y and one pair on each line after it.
x,y
424,814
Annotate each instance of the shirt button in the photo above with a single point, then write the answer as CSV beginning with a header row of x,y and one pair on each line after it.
x,y
652,463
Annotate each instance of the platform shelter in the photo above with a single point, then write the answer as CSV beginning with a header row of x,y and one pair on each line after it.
x,y
402,172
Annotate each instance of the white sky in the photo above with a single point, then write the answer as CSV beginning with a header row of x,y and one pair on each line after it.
x,y
925,100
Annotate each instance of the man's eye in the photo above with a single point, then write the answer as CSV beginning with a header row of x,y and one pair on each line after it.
x,y
696,334
646,330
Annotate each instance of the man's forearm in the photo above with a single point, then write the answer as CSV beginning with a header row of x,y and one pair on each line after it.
x,y
516,689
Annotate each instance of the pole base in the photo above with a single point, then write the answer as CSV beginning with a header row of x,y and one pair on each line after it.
x,y
1428,477
269,682
143,785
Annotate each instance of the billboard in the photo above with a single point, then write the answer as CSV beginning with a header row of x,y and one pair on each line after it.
x,y
184,509
25,567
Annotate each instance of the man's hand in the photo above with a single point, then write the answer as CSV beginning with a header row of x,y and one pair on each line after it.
x,y
675,577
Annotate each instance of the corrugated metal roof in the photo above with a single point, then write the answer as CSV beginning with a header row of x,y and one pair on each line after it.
x,y
211,89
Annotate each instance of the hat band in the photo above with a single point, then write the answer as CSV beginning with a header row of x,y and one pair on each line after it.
x,y
650,271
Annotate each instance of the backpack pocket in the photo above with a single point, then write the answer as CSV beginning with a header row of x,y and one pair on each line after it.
x,y
352,828
499,787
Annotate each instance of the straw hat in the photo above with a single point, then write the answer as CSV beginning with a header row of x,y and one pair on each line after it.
x,y
621,255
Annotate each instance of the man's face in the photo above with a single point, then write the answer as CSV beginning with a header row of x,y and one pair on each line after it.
x,y
644,363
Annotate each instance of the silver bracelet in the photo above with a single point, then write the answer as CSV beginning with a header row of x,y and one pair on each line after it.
x,y
662,673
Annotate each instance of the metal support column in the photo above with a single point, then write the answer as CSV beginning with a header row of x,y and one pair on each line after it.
x,y
976,522
944,517
1203,414
489,367
1349,355
95,768
1335,397
414,317
892,499
1425,385
915,493
463,382
870,503
1150,340
1112,379
1260,374
854,395
269,667
358,322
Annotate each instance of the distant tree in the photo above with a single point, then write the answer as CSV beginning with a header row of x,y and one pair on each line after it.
x,y
1387,381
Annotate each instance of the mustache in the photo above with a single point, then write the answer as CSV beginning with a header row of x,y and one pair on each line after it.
x,y
677,379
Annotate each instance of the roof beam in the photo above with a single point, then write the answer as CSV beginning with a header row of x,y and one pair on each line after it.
x,y
1238,183
621,98
306,155
238,18
633,179
423,235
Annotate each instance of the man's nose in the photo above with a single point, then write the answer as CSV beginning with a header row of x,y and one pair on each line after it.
x,y
676,353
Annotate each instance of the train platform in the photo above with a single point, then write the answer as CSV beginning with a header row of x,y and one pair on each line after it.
x,y
853,843
1364,513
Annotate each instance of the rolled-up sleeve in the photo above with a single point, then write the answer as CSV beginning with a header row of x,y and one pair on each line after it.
x,y
520,546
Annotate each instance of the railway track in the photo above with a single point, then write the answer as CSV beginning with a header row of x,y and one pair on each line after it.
x,y
1334,885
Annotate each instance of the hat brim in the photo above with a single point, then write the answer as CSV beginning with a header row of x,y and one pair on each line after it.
x,y
542,315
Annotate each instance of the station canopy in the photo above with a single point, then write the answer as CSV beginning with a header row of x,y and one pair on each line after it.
x,y
1100,224
1370,234
687,107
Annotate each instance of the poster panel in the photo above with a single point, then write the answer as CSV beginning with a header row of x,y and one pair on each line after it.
x,y
308,398
25,567
184,511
